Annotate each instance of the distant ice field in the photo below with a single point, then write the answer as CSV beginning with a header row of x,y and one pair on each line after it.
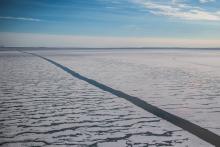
x,y
42,105
183,82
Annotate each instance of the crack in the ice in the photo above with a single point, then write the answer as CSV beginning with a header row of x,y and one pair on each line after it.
x,y
176,120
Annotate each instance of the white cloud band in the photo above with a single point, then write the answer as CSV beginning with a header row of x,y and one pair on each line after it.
x,y
19,18
179,10
206,1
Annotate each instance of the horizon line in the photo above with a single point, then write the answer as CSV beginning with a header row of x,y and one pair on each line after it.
x,y
44,47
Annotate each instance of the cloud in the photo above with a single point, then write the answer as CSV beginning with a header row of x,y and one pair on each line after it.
x,y
206,1
20,18
45,40
179,10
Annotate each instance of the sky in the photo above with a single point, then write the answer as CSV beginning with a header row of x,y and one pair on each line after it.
x,y
110,23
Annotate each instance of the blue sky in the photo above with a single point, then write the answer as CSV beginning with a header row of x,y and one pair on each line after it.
x,y
128,21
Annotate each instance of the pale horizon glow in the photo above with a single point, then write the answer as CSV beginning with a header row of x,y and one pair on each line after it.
x,y
46,40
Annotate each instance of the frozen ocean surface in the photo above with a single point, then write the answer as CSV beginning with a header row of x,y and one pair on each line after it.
x,y
41,105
